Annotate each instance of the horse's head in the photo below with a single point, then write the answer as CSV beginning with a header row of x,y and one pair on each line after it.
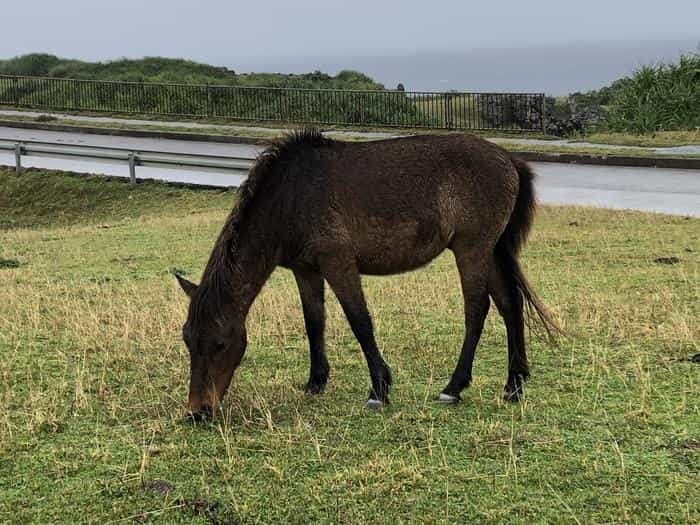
x,y
216,342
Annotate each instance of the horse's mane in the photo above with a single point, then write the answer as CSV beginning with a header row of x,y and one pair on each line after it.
x,y
279,151
216,279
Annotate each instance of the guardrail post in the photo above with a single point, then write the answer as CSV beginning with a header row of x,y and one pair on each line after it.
x,y
18,158
132,168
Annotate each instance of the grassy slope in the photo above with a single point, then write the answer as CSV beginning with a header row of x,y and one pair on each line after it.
x,y
168,70
94,379
39,198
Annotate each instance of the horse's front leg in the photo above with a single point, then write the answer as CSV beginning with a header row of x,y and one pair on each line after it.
x,y
312,300
345,281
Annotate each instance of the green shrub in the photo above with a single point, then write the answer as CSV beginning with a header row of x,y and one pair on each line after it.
x,y
657,98
29,65
179,71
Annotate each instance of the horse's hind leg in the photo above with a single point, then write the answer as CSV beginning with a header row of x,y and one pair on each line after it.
x,y
506,294
312,301
345,281
473,272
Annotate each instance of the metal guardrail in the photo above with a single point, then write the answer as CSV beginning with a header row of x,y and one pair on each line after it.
x,y
378,108
134,157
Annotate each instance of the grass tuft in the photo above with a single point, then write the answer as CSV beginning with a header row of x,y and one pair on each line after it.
x,y
9,263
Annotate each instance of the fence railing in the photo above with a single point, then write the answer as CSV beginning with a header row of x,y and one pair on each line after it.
x,y
399,109
148,158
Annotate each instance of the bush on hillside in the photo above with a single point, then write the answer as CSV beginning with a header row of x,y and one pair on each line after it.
x,y
654,98
178,71
29,65
661,97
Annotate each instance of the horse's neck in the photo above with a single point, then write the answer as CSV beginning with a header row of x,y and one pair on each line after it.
x,y
249,263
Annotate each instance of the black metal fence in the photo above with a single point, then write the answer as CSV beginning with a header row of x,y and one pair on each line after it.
x,y
449,110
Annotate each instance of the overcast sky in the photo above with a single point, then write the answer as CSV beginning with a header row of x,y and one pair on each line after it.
x,y
263,34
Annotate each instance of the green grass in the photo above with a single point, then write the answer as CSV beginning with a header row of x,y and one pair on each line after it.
x,y
461,110
40,198
94,378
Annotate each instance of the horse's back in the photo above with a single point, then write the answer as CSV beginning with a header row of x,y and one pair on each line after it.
x,y
394,205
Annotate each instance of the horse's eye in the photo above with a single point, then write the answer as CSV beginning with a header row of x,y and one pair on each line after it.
x,y
218,347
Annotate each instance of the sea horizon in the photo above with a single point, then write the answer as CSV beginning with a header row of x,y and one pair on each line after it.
x,y
556,69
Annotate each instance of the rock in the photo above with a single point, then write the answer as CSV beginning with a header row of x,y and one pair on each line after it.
x,y
159,486
667,260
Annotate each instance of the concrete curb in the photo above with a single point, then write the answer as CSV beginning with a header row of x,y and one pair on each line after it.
x,y
565,158
611,160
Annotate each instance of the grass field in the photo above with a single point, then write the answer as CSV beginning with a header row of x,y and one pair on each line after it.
x,y
94,378
462,110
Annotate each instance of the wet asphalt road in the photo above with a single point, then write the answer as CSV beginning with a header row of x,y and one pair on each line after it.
x,y
647,189
523,140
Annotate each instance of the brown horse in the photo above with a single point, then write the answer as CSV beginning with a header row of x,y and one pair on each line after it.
x,y
331,211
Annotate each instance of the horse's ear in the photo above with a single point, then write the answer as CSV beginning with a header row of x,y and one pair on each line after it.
x,y
188,287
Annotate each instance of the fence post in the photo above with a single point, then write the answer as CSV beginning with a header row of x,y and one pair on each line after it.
x,y
210,109
448,110
15,84
18,158
132,168
543,114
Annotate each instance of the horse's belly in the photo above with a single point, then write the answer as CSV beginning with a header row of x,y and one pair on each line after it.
x,y
389,266
403,247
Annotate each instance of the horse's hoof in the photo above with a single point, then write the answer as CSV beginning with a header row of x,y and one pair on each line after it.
x,y
512,397
448,399
314,388
374,404
514,389
202,415
513,394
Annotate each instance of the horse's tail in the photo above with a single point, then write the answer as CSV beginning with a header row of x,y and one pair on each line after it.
x,y
513,239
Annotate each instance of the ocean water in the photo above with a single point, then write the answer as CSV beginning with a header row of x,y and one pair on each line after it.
x,y
556,70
